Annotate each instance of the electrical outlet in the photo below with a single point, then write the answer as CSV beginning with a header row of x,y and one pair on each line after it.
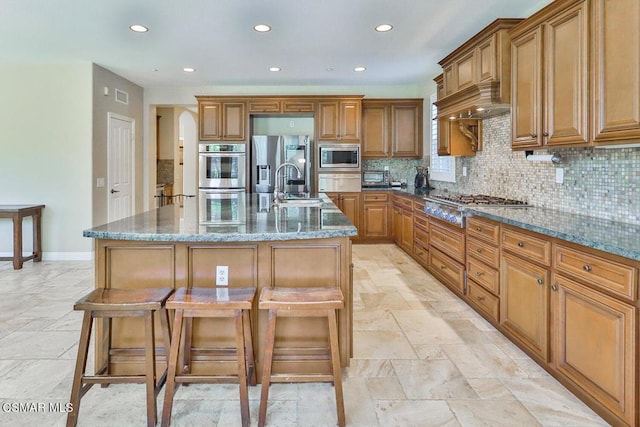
x,y
386,167
222,275
559,175
464,171
100,182
292,124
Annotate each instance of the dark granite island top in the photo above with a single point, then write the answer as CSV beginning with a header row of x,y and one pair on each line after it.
x,y
257,221
609,236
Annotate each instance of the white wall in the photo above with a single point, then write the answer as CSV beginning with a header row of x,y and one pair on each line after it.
x,y
45,153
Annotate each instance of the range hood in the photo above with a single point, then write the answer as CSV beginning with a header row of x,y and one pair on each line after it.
x,y
479,101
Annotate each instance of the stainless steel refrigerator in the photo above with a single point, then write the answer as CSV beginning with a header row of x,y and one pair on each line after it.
x,y
270,151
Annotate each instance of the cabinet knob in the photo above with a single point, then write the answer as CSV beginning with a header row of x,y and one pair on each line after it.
x,y
540,281
478,273
586,267
478,228
534,135
554,287
480,298
442,267
479,250
521,244
443,239
545,134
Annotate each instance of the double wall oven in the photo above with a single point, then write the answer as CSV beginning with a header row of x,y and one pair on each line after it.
x,y
222,182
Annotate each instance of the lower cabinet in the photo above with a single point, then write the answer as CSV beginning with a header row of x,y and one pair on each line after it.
x,y
376,216
524,303
402,214
349,204
595,344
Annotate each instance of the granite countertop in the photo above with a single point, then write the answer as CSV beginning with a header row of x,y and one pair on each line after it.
x,y
253,219
618,238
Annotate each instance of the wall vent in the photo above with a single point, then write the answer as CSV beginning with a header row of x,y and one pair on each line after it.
x,y
122,96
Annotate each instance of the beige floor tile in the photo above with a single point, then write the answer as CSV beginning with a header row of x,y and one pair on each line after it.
x,y
388,388
374,321
492,413
381,345
415,413
432,379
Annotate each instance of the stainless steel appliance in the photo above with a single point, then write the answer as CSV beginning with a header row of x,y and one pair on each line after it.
x,y
339,182
452,207
376,179
271,151
222,166
220,206
338,157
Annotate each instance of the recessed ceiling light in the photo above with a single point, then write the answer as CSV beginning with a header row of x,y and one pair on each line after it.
x,y
188,69
383,28
329,68
359,69
262,28
138,28
274,68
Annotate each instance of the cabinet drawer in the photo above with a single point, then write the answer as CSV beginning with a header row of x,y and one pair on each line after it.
x,y
298,106
484,275
448,241
480,250
266,106
603,273
484,230
421,221
403,202
446,270
375,197
526,246
421,253
479,297
421,237
418,206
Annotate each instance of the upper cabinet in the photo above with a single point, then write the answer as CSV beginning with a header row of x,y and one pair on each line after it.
x,y
222,119
267,105
615,47
549,66
392,128
339,119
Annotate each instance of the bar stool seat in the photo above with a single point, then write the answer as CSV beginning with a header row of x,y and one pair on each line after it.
x,y
301,302
109,303
211,302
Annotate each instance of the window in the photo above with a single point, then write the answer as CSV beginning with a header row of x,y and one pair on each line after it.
x,y
442,168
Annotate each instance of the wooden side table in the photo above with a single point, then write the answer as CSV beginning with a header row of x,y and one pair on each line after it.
x,y
16,213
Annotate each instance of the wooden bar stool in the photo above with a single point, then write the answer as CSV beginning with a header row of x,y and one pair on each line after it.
x,y
302,302
211,302
107,304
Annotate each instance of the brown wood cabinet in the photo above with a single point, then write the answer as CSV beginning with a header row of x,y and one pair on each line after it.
x,y
222,120
349,204
549,64
339,120
392,128
447,254
291,104
524,303
376,216
615,43
595,345
420,233
403,221
451,140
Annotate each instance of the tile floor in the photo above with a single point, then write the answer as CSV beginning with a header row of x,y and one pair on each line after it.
x,y
421,358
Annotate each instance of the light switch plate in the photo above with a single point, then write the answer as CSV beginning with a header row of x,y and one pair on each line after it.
x,y
100,182
559,175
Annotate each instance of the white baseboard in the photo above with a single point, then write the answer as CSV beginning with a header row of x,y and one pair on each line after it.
x,y
58,256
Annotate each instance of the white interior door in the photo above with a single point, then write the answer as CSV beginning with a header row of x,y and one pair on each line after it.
x,y
120,166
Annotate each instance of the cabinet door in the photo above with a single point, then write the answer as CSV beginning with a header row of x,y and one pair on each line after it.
x,y
234,121
616,66
486,60
376,220
298,106
265,106
210,118
524,303
406,126
444,137
349,120
407,231
450,83
465,71
397,224
350,207
328,120
526,89
566,74
375,130
595,343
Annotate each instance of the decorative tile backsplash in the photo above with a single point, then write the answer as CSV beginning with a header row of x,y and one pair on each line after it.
x,y
164,171
399,169
603,183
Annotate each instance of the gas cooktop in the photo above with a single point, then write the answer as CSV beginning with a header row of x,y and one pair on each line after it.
x,y
451,207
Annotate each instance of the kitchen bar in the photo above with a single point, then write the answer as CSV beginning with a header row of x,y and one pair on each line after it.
x,y
274,246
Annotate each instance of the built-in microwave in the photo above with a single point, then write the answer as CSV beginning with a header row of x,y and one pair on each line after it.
x,y
338,157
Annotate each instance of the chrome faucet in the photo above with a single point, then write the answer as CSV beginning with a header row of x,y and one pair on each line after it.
x,y
277,194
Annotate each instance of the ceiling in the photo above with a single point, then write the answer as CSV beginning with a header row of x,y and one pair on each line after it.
x,y
216,37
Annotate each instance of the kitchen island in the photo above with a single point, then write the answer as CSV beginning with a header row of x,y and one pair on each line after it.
x,y
260,245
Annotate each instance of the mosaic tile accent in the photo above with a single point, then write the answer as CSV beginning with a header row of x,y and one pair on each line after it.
x,y
164,171
603,183
399,169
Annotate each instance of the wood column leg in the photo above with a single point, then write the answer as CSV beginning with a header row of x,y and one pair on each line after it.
x,y
186,352
248,339
37,237
242,368
172,367
166,339
81,366
266,367
17,241
105,349
335,364
150,362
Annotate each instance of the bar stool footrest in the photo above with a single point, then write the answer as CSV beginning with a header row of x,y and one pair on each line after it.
x,y
302,378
